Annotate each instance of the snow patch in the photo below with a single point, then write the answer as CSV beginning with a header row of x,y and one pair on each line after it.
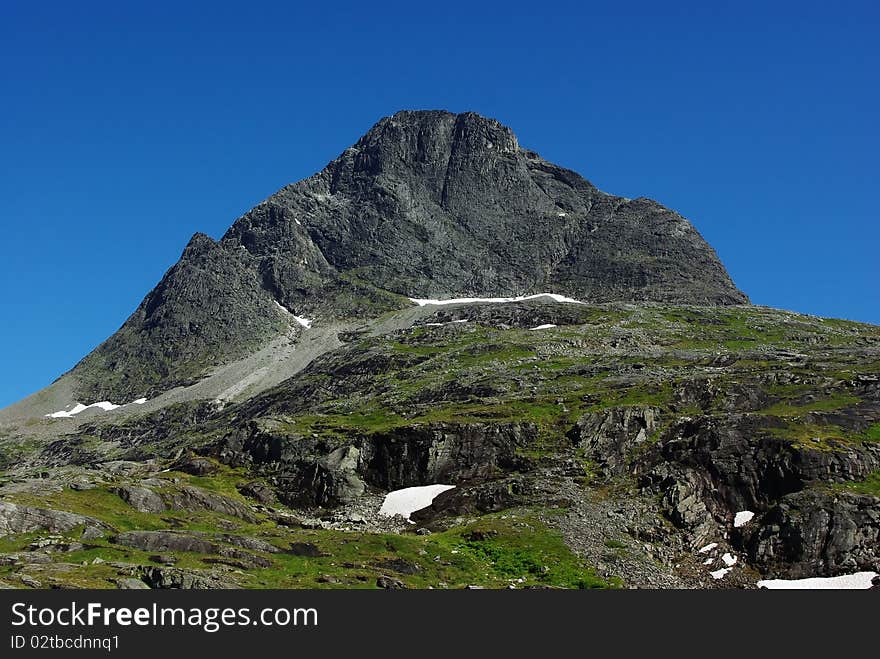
x,y
540,327
742,518
408,500
305,322
442,324
79,407
139,401
729,560
708,547
497,300
857,581
720,574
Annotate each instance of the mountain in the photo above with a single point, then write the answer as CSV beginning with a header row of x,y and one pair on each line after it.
x,y
428,205
444,362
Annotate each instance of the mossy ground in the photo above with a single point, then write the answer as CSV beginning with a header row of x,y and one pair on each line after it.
x,y
490,371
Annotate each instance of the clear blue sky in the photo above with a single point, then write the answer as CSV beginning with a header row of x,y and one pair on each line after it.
x,y
125,130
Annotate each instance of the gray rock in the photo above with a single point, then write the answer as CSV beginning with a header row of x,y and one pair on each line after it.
x,y
130,583
193,498
175,578
166,541
195,465
607,437
28,580
815,531
15,518
338,476
258,491
390,583
141,498
443,452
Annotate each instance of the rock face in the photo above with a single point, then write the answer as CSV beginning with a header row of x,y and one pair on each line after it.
x,y
426,204
141,498
193,498
734,463
607,437
814,532
443,453
15,518
331,480
709,468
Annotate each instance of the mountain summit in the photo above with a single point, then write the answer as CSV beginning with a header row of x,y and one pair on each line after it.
x,y
427,204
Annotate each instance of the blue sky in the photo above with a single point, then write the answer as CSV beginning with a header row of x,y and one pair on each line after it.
x,y
124,130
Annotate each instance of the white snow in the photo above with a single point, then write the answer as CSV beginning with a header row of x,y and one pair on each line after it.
x,y
297,222
729,560
305,322
560,214
742,518
442,324
719,574
408,500
139,401
857,581
709,561
497,300
79,407
708,547
540,327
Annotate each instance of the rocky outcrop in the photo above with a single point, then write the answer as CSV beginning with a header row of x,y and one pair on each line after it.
x,y
327,481
176,578
443,453
608,437
258,491
141,498
193,498
15,518
216,546
816,532
166,541
479,499
708,468
734,463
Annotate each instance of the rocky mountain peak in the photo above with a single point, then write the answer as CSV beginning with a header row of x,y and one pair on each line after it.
x,y
427,204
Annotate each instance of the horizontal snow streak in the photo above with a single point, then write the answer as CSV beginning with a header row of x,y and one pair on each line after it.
x,y
497,300
857,581
79,407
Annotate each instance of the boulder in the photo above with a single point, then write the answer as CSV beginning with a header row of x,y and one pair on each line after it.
x,y
15,518
141,498
194,499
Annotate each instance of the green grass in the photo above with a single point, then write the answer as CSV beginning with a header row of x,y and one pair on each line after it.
x,y
825,404
494,551
870,485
